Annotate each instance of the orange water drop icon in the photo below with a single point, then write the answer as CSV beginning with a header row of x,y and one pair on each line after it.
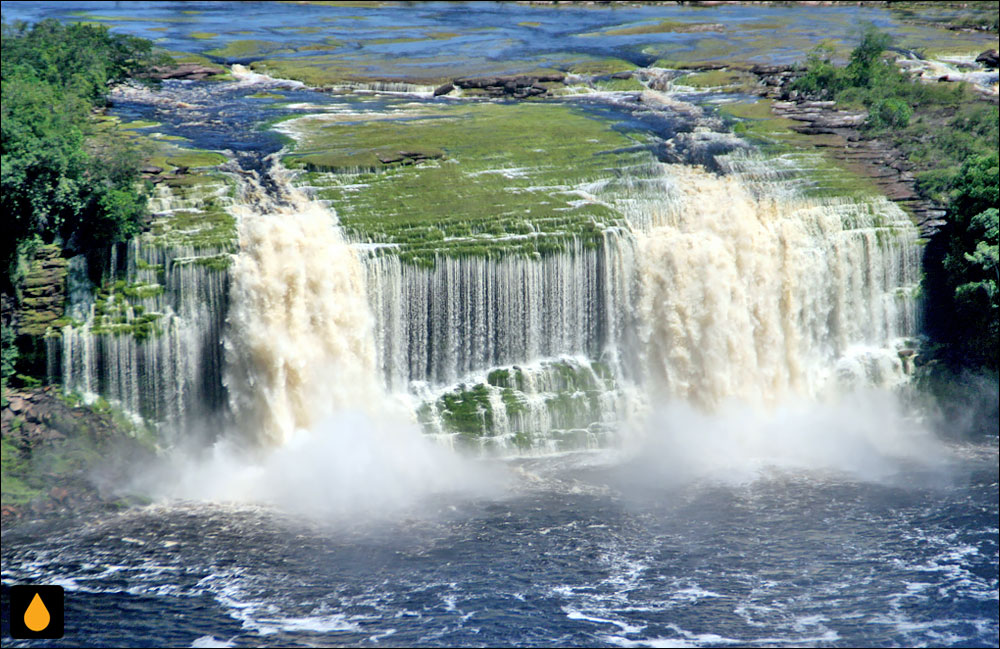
x,y
36,617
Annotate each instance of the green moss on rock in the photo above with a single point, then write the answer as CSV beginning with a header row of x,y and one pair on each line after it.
x,y
483,180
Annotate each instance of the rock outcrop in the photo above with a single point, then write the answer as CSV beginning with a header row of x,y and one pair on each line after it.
x,y
44,294
515,87
194,71
989,58
885,165
845,140
61,457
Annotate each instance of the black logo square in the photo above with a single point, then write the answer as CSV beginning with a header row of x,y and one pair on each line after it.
x,y
37,612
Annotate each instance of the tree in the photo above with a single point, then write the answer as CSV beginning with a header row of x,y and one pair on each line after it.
x,y
58,181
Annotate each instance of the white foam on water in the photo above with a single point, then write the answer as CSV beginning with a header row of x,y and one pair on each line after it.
x,y
208,641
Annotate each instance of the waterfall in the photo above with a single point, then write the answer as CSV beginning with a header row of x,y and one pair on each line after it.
x,y
761,284
149,338
299,344
762,295
471,313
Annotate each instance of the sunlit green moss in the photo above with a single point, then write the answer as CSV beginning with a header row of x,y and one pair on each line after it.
x,y
508,179
242,49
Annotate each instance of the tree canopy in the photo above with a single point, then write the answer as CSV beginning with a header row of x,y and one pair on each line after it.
x,y
59,182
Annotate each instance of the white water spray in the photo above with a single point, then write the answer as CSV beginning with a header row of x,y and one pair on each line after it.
x,y
303,382
757,296
300,342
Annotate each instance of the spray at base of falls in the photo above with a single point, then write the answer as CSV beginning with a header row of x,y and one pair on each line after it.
x,y
302,378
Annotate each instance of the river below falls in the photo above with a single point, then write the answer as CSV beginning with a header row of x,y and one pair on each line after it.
x,y
585,549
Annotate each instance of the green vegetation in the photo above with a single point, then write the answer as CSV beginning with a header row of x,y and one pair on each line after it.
x,y
962,271
245,49
660,27
62,178
114,312
951,137
567,395
496,179
204,223
71,183
467,411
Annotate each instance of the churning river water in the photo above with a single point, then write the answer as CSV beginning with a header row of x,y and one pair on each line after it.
x,y
590,548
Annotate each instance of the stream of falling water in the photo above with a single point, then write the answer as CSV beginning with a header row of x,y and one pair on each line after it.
x,y
300,344
728,288
761,296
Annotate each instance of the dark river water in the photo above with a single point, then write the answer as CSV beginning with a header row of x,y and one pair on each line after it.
x,y
581,549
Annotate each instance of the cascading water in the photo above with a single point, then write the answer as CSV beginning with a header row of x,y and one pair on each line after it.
x,y
150,339
470,314
741,286
300,344
756,295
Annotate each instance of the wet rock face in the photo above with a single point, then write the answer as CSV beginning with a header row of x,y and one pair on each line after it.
x,y
44,292
60,457
517,87
989,58
880,161
195,71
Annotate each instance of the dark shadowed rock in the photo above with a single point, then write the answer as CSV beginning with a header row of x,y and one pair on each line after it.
x,y
518,87
988,58
444,90
185,71
389,158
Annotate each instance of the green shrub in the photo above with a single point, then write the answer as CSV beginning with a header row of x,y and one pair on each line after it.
x,y
822,77
891,112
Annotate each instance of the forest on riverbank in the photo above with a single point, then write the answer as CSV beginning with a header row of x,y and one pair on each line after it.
x,y
67,180
950,135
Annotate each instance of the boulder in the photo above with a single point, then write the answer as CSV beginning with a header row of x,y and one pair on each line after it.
x,y
444,90
184,71
519,87
988,58
16,404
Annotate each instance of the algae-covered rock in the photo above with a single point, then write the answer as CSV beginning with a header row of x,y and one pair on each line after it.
x,y
44,293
